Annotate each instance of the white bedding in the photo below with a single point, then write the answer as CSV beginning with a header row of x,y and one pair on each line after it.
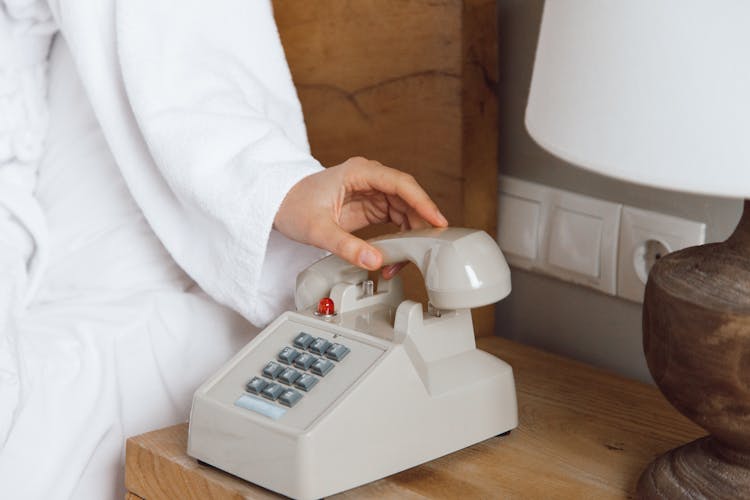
x,y
174,134
116,338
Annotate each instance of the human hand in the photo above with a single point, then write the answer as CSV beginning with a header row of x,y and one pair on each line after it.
x,y
324,208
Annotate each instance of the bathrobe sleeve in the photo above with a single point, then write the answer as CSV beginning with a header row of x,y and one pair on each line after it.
x,y
198,106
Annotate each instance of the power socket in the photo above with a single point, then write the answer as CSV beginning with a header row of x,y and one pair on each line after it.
x,y
645,237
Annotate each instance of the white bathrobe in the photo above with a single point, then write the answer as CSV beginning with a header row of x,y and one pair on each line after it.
x,y
174,134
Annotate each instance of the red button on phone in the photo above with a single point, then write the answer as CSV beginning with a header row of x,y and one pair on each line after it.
x,y
325,307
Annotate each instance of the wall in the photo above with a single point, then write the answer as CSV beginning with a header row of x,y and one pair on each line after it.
x,y
410,84
545,312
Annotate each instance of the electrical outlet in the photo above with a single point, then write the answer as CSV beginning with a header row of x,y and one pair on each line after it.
x,y
645,237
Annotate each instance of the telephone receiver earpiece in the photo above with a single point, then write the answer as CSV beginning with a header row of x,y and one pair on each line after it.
x,y
462,268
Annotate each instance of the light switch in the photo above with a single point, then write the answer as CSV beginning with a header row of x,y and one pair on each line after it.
x,y
580,243
521,218
575,242
519,226
559,233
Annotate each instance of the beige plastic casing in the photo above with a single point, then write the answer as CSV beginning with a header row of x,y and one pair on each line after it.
x,y
413,388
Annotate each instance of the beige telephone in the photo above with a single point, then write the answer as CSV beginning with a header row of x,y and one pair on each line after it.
x,y
358,383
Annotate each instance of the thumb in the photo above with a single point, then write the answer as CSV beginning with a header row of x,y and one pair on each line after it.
x,y
352,249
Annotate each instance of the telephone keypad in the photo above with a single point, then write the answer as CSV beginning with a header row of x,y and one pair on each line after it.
x,y
337,352
299,360
288,355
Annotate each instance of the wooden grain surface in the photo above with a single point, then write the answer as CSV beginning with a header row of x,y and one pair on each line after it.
x,y
583,433
381,79
479,125
410,83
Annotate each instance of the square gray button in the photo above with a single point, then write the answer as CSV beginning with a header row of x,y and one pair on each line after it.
x,y
321,367
306,382
290,397
272,391
303,340
319,345
287,355
337,352
304,361
256,385
288,376
272,370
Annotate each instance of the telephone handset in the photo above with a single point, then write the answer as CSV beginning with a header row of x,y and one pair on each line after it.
x,y
462,268
319,403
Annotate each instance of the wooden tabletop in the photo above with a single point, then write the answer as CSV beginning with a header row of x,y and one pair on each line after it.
x,y
583,432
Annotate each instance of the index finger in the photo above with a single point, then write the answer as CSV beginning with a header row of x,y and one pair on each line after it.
x,y
394,182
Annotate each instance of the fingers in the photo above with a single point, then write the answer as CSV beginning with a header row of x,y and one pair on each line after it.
x,y
322,209
403,215
393,182
392,270
347,246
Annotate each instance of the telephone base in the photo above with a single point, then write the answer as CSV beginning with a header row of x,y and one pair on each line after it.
x,y
386,407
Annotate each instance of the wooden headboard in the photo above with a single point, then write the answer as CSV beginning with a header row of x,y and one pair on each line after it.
x,y
410,83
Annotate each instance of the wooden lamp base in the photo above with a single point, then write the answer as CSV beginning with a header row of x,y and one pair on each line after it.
x,y
696,337
700,469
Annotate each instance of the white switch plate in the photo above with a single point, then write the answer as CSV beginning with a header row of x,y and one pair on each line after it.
x,y
638,227
575,242
521,217
581,242
559,233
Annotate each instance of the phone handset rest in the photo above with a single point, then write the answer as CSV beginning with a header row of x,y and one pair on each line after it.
x,y
462,268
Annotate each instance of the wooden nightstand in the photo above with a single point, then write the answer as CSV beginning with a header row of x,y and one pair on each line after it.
x,y
583,432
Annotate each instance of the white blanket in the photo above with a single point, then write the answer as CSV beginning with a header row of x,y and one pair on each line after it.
x,y
164,166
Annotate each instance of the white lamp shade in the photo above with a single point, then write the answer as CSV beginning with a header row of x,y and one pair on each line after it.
x,y
650,91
